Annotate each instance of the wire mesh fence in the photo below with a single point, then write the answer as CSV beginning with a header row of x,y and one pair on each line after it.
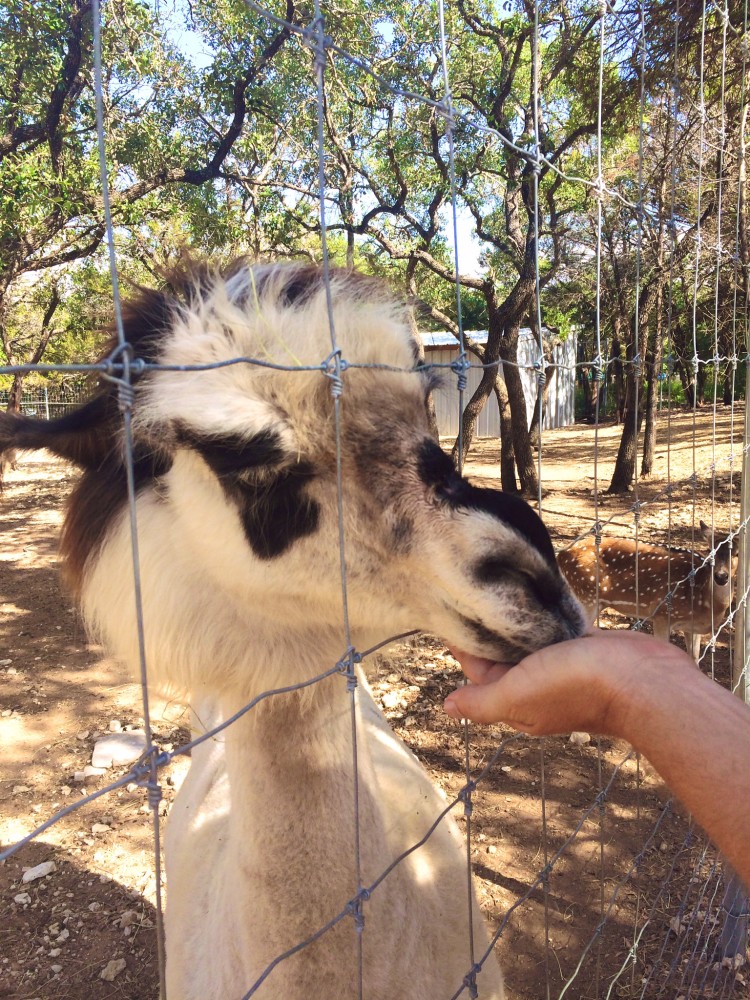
x,y
656,898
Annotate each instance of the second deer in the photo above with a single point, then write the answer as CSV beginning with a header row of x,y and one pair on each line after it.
x,y
637,581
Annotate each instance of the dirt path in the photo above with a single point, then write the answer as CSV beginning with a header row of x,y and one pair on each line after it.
x,y
59,692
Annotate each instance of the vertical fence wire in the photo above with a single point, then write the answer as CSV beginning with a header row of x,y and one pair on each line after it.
x,y
336,368
600,373
540,364
125,399
637,294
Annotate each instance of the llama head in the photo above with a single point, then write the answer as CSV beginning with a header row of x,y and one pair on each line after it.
x,y
236,471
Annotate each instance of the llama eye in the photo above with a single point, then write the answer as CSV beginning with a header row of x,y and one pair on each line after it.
x,y
494,570
233,454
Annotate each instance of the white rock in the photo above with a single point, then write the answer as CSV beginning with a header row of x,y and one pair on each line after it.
x,y
45,868
55,968
392,699
115,726
54,952
100,828
17,789
112,969
4,663
23,899
118,748
93,772
580,739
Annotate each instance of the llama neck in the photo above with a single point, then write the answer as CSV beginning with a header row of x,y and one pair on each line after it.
x,y
293,823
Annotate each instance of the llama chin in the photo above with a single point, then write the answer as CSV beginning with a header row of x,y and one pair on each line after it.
x,y
237,503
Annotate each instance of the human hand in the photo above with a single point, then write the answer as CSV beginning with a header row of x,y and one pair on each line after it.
x,y
585,684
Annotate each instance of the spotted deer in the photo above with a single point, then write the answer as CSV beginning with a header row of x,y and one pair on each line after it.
x,y
236,469
654,582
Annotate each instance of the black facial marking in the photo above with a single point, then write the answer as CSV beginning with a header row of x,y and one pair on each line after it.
x,y
273,504
437,471
232,453
276,512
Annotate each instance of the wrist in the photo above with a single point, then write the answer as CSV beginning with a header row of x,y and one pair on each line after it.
x,y
643,684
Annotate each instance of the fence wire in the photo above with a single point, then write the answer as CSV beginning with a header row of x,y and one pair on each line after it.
x,y
678,960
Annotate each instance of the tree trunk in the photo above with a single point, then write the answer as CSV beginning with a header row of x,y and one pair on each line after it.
x,y
507,455
471,412
524,453
490,357
617,368
540,407
622,477
652,396
728,394
700,387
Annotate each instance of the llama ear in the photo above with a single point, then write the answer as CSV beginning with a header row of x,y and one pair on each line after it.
x,y
86,436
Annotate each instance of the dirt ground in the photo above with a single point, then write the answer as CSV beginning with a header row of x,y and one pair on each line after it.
x,y
632,876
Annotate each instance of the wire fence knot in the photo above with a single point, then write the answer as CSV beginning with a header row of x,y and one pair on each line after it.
x,y
346,667
355,908
119,368
460,367
465,796
470,980
541,374
333,368
317,40
445,110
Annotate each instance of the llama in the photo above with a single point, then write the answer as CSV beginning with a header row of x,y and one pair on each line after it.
x,y
236,478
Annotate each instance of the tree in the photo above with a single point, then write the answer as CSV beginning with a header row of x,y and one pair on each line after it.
x,y
160,134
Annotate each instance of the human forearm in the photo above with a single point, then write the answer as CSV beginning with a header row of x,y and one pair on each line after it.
x,y
697,736
632,686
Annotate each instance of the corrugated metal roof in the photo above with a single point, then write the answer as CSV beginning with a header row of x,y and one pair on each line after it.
x,y
443,338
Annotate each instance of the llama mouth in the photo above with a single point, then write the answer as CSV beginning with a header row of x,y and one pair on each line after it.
x,y
493,645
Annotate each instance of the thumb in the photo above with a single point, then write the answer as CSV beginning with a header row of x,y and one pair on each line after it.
x,y
478,702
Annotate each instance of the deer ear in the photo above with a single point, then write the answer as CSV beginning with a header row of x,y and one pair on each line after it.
x,y
705,531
